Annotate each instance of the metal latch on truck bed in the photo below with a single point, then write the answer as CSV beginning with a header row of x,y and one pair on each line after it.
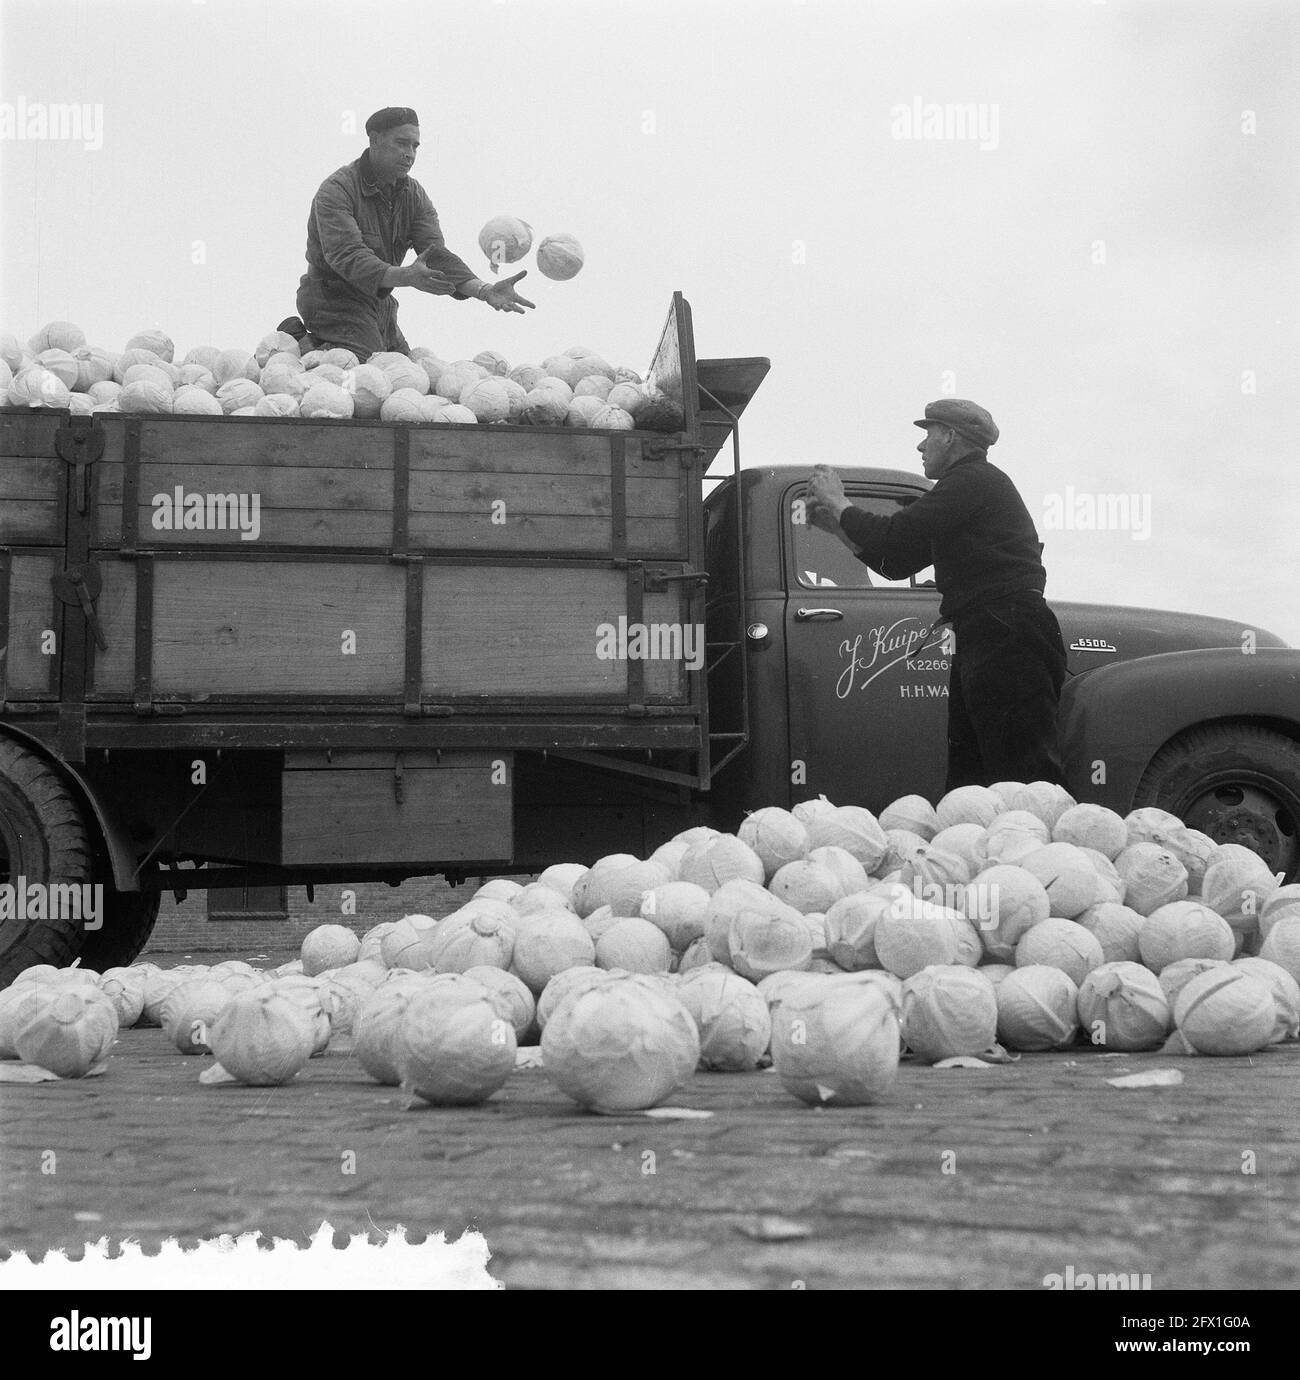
x,y
656,581
81,584
80,443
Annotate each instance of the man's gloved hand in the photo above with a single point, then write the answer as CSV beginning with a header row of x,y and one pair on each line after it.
x,y
503,297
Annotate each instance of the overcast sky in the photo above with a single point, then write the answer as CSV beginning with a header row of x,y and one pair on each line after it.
x,y
1106,259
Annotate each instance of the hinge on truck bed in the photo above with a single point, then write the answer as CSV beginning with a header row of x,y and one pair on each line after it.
x,y
80,443
661,445
81,584
656,581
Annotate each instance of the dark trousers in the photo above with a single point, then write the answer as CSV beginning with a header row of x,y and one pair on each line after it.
x,y
340,316
1003,694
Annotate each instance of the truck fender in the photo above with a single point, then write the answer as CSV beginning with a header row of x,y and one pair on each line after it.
x,y
117,843
1114,719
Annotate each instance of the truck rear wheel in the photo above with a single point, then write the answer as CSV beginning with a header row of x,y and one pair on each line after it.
x,y
43,839
1236,783
129,918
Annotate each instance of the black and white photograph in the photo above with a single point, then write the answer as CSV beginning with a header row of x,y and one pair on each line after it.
x,y
650,645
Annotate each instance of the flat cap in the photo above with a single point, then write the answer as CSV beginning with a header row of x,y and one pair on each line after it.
x,y
390,117
964,416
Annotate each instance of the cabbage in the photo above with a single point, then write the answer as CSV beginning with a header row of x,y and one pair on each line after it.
x,y
805,810
311,994
1006,902
511,996
262,1037
913,813
1282,946
454,1046
487,399
275,343
618,884
679,909
369,388
709,862
1112,886
156,342
1286,995
229,364
547,944
597,387
949,1010
611,419
1183,929
776,836
911,934
505,240
280,372
1037,1008
731,1016
726,903
1153,877
763,941
1226,1011
371,942
486,938
807,886
559,257
623,1044
969,805
1176,975
93,366
635,945
1062,944
190,1009
851,926
61,364
1067,875
195,402
276,405
1116,928
1123,1006
455,413
54,335
836,1042
1042,798
329,946
325,400
37,387
968,841
852,828
545,407
1238,888
1092,826
124,987
157,985
583,411
67,1030
407,943
376,1026
1150,825
527,376
495,363
695,955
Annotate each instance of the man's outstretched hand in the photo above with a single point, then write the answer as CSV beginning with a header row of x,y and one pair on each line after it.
x,y
418,274
503,297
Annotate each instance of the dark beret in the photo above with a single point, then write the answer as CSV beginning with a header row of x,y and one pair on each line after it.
x,y
390,117
966,417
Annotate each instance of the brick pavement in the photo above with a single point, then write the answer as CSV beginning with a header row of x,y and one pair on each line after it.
x,y
1052,1168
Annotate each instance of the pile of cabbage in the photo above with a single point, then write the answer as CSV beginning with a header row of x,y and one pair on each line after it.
x,y
578,388
823,941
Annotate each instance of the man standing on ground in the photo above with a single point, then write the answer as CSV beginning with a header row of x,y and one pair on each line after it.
x,y
364,219
974,528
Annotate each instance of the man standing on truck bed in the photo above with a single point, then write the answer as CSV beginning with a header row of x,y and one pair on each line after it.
x,y
974,528
363,220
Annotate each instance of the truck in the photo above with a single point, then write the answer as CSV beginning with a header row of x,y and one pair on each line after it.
x,y
249,651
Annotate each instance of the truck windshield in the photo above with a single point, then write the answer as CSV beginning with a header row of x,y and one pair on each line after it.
x,y
822,562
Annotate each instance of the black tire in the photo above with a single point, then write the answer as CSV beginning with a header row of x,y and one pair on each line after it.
x,y
1235,782
129,918
43,838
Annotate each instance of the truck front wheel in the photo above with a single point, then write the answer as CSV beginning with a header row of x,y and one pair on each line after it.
x,y
1236,783
43,840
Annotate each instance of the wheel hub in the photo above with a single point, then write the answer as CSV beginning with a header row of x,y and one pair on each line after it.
x,y
1251,816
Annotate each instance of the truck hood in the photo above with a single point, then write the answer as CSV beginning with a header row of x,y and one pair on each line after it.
x,y
1099,634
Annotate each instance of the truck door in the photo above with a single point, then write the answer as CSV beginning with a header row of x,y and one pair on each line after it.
x,y
866,669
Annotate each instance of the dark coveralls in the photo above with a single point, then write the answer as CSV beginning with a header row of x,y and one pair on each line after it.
x,y
358,229
1009,666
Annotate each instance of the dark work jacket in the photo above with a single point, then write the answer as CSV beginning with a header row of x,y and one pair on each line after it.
x,y
972,526
355,232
